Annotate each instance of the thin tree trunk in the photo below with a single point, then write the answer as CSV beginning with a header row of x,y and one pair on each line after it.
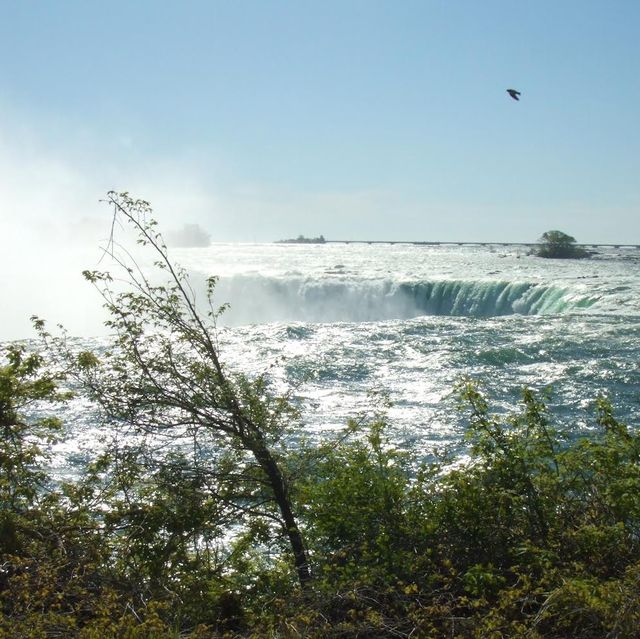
x,y
281,494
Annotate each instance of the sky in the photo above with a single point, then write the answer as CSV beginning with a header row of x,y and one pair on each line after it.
x,y
261,120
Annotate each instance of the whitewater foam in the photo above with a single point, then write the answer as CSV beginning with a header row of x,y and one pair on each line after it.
x,y
259,299
335,322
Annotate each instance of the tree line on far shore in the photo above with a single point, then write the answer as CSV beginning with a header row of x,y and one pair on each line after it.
x,y
552,244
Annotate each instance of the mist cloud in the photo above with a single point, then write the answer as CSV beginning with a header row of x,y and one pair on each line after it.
x,y
52,222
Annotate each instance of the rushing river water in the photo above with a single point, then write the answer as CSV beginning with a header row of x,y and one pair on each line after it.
x,y
337,321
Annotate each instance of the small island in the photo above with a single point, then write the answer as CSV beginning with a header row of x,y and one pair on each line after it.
x,y
559,245
301,239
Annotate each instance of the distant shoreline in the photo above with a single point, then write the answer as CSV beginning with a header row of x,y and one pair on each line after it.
x,y
322,240
301,239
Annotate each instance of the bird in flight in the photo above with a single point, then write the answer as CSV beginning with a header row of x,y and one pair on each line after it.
x,y
514,94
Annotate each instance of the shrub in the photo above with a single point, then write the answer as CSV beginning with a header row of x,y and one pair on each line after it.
x,y
556,244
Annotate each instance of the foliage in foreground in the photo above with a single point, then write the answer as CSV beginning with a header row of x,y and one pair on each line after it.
x,y
535,535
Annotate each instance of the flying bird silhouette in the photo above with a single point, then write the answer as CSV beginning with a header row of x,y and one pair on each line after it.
x,y
514,94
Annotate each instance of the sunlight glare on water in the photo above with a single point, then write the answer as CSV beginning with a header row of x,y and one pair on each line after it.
x,y
334,323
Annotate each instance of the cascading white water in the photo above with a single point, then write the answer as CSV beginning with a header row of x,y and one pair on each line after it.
x,y
334,322
259,299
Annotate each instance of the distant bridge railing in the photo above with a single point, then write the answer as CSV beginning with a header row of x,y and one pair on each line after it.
x,y
424,243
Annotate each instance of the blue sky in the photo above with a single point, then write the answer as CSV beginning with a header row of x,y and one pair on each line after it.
x,y
357,120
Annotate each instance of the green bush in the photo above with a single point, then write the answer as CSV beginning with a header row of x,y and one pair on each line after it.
x,y
533,534
559,245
